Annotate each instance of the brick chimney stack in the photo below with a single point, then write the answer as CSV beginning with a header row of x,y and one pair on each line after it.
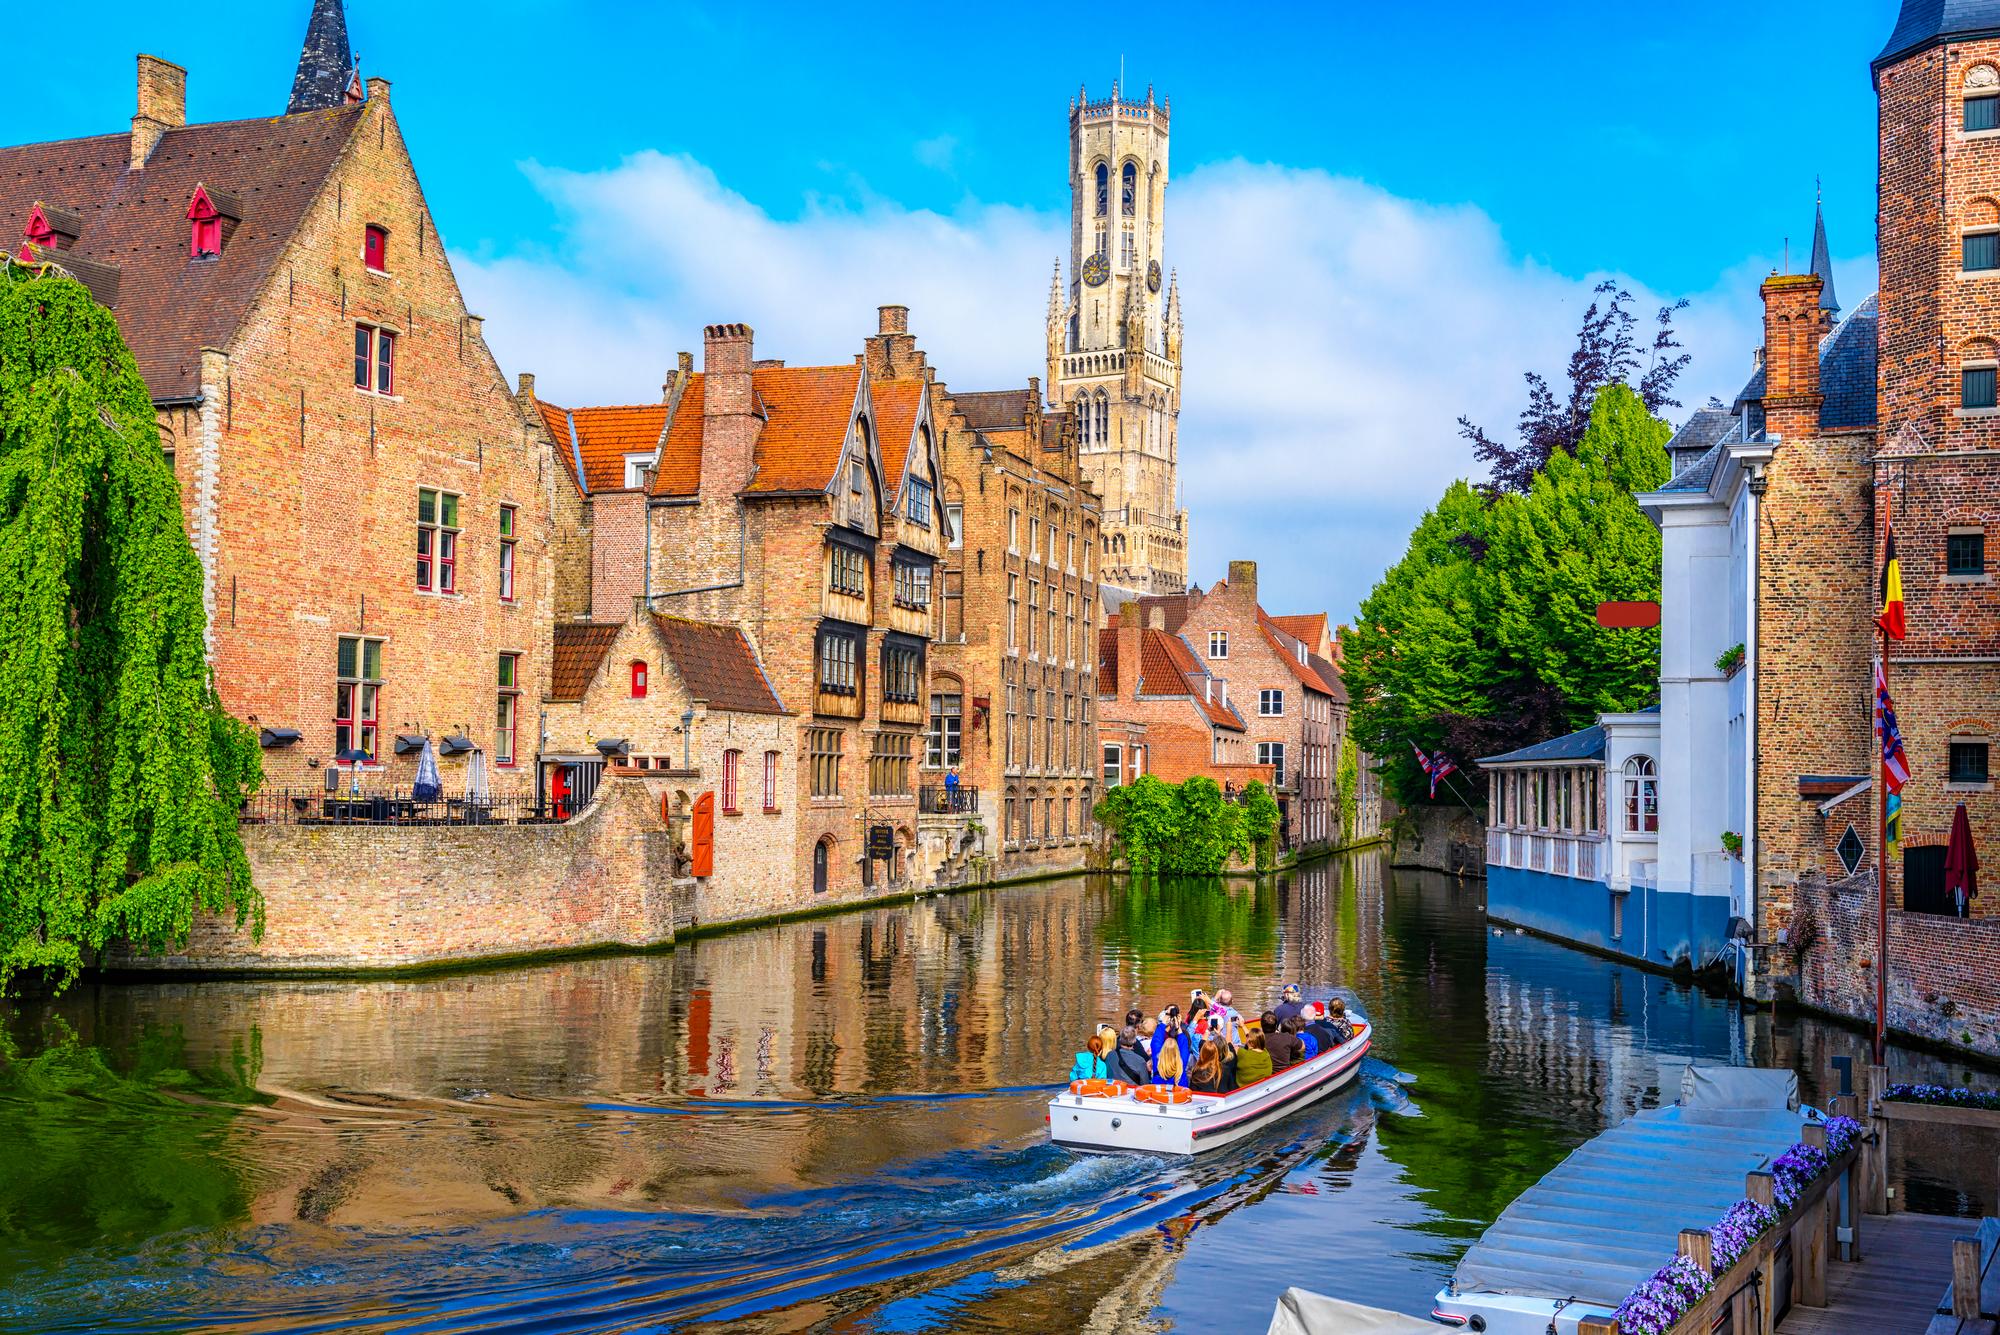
x,y
729,426
1129,634
162,106
1794,323
1243,579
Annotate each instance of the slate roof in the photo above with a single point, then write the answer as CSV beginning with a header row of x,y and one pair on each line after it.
x,y
1925,23
170,306
579,649
718,666
1702,430
994,410
1587,744
325,63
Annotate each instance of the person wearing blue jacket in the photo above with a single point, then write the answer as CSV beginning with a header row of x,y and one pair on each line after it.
x,y
1090,1064
1170,1030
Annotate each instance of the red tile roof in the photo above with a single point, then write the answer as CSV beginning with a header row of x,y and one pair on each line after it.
x,y
896,403
1311,628
806,413
1289,647
604,436
170,306
718,666
579,649
1167,666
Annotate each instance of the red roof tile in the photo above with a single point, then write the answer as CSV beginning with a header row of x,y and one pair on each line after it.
x,y
170,306
896,403
604,436
718,666
1167,666
806,413
1311,628
579,649
1296,653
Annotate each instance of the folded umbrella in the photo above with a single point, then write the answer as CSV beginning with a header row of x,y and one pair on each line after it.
x,y
1961,861
428,787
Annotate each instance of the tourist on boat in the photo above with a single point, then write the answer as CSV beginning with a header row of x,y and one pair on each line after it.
x,y
1253,1062
1208,1077
1197,1016
1292,1003
1225,1014
1169,1034
1336,1015
1321,1029
1285,1048
1308,1044
1090,1063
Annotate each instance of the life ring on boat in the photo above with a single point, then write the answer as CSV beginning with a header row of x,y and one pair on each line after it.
x,y
1100,1089
1161,1094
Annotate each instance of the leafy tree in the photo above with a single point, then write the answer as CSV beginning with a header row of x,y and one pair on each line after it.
x,y
120,775
1174,830
1608,352
1143,818
1260,822
1484,637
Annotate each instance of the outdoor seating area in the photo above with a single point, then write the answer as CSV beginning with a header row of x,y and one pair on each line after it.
x,y
396,806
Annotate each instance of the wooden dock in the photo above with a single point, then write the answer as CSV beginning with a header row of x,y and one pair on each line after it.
x,y
1904,1271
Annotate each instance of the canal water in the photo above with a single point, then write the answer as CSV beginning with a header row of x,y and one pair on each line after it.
x,y
831,1125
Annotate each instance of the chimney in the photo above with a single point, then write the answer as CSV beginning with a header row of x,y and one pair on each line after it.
x,y
378,90
524,388
1156,617
1243,578
1793,325
162,105
729,425
1129,634
892,319
1035,390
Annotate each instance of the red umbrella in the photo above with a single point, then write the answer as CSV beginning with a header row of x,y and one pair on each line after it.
x,y
1961,862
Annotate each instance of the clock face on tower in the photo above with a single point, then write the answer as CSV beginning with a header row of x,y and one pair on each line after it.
x,y
1095,270
1153,276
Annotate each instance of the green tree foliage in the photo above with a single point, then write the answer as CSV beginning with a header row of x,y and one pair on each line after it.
x,y
1158,828
1260,822
1347,786
1484,637
120,775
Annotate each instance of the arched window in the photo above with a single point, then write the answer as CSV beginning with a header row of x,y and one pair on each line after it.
x,y
1103,188
638,679
1129,191
1642,796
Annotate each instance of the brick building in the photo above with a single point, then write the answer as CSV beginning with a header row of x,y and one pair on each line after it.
x,y
799,505
369,506
1013,681
1151,682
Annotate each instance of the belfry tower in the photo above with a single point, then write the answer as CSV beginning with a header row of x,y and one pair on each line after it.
x,y
1114,338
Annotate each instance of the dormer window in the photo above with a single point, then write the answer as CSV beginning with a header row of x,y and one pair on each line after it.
x,y
635,470
375,248
42,233
205,240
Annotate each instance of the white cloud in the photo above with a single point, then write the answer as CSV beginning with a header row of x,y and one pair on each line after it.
x,y
1335,332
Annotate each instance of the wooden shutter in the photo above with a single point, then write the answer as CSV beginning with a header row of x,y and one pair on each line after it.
x,y
703,842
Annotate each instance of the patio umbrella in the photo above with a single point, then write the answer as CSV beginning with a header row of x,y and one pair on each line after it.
x,y
428,787
1961,863
475,777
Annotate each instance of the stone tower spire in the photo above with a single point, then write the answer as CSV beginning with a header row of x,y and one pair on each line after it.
x,y
326,65
1822,263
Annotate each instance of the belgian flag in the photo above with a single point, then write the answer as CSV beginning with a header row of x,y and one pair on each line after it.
x,y
1891,620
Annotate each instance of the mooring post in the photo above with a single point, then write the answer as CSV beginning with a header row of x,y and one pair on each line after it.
x,y
1877,1154
1762,1188
1844,1212
1698,1247
1597,1325
1810,1235
1965,1278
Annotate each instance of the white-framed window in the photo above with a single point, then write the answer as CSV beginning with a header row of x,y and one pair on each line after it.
x,y
1273,754
635,470
954,522
1114,764
770,781
1642,796
1013,613
1013,530
1218,644
1270,704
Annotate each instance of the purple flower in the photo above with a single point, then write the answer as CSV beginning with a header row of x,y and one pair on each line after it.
x,y
1841,1133
1732,1235
1658,1303
1956,1097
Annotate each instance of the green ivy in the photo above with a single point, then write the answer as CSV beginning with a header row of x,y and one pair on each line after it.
x,y
120,775
1185,829
1260,822
1347,779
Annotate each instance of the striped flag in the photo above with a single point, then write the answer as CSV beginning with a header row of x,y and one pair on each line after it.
x,y
1891,620
1436,765
1895,765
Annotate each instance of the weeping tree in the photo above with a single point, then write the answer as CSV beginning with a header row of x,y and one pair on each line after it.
x,y
120,774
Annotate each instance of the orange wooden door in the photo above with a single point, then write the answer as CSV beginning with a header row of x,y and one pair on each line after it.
x,y
704,835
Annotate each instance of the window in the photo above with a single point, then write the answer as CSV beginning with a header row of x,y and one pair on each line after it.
x,y
902,674
1965,552
1114,764
374,359
1218,644
508,715
913,585
205,232
506,553
918,508
730,761
823,750
1013,711
947,718
1104,186
1127,250
954,526
1069,627
1034,616
1273,754
857,477
638,679
837,663
1034,712
357,695
889,764
770,781
1975,387
1128,197
635,470
1270,704
849,572
1034,538
1982,113
437,541
1968,763
1979,250
1052,641
375,247
1642,796
1589,779
1069,552
1013,530
1013,613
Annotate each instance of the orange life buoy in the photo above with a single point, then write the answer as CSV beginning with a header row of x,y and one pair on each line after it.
x,y
1162,1094
1100,1089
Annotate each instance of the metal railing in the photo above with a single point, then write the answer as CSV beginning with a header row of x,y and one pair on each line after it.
x,y
313,806
934,799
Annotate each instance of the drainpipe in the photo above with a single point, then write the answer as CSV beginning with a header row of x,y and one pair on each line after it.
x,y
687,739
1751,842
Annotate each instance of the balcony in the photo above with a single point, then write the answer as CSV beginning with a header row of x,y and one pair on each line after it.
x,y
934,799
1559,854
312,806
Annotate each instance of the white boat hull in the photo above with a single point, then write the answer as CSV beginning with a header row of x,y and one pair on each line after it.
x,y
1206,1121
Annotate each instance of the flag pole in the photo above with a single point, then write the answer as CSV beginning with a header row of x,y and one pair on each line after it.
x,y
1882,839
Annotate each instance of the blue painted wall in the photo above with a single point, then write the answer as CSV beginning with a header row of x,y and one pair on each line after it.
x,y
1662,927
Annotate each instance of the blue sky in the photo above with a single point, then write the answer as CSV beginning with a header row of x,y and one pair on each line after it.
x,y
1382,214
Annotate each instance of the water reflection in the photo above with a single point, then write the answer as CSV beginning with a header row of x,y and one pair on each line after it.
x,y
839,1120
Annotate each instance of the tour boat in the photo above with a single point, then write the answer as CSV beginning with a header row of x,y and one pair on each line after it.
x,y
1106,1115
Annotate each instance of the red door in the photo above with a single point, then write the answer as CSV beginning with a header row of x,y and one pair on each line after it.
x,y
704,835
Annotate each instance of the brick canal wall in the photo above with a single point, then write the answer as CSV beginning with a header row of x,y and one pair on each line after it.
x,y
378,896
1944,973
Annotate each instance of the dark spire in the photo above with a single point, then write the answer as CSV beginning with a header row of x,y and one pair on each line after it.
x,y
1822,262
326,66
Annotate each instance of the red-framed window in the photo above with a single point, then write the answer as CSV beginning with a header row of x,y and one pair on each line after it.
x,y
437,541
731,763
638,679
506,553
205,227
374,359
770,781
357,695
507,715
375,247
